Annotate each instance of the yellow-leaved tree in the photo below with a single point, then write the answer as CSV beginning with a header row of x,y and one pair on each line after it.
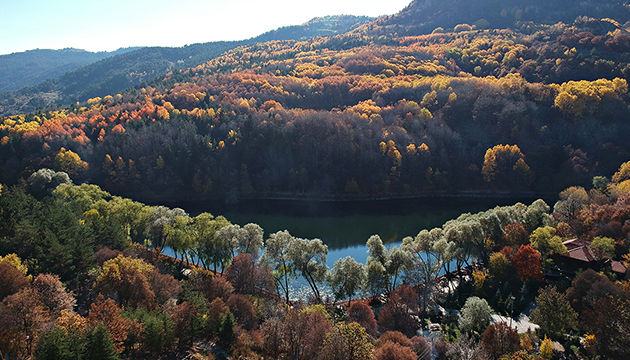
x,y
505,164
70,162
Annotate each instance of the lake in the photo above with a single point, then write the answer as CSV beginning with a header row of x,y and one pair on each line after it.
x,y
345,226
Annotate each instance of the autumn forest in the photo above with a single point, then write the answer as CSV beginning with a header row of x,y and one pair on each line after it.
x,y
508,104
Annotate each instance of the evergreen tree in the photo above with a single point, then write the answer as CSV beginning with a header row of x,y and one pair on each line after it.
x,y
226,329
99,345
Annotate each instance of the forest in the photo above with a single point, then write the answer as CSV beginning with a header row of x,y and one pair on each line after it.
x,y
83,277
433,101
351,116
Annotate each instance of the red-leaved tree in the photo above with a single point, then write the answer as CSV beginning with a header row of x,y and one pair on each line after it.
x,y
362,313
527,264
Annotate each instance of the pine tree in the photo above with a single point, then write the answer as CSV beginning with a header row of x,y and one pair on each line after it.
x,y
99,345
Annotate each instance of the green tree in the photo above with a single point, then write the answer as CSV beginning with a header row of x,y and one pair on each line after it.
x,y
208,249
309,259
277,254
99,345
57,344
181,237
605,246
475,315
553,312
226,334
159,219
346,278
545,240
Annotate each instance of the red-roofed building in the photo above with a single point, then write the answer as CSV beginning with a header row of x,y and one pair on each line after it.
x,y
620,269
581,256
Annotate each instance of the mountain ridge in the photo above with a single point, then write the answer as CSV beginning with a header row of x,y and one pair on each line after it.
x,y
114,74
31,67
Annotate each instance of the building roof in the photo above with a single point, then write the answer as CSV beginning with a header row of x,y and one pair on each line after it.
x,y
582,253
573,243
618,267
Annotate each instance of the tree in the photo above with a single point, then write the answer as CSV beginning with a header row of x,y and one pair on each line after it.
x,y
505,163
105,311
609,322
589,287
209,250
274,336
394,351
553,312
546,348
392,261
277,254
346,278
164,286
43,181
243,310
70,162
571,200
347,341
183,316
11,280
362,313
156,225
475,314
605,246
21,318
127,278
180,236
99,345
498,265
56,344
53,294
545,240
213,314
397,313
515,234
309,259
247,277
528,264
465,348
250,240
226,334
623,173
395,337
421,347
499,339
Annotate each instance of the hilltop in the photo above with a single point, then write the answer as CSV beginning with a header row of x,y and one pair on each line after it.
x,y
28,68
425,16
123,69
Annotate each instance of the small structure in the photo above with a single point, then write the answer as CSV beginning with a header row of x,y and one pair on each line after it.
x,y
619,269
580,255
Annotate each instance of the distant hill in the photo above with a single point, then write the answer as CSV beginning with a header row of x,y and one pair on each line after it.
x,y
424,16
116,73
319,26
31,67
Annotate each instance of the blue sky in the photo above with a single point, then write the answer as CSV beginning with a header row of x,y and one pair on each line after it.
x,y
98,25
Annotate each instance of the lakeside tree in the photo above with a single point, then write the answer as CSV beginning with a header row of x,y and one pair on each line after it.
x,y
386,265
277,255
309,260
346,278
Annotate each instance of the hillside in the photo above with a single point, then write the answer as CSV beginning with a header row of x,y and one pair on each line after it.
x,y
116,73
354,116
320,26
28,68
424,16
